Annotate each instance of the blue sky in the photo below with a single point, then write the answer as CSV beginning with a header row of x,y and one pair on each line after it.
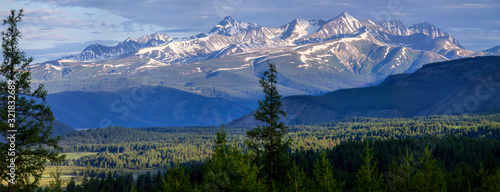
x,y
55,28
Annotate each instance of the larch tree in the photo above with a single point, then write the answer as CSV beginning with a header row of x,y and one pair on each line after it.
x,y
26,120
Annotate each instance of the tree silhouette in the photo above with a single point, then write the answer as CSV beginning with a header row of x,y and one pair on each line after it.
x,y
26,120
268,139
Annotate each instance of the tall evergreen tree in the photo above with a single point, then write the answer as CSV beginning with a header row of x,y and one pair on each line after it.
x,y
23,110
268,140
230,169
490,181
401,175
176,179
71,187
368,178
297,179
56,185
323,175
429,177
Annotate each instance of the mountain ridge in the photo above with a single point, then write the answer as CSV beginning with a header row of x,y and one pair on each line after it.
x,y
320,30
141,107
314,57
463,86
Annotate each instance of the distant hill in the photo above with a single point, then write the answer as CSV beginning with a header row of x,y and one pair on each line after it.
x,y
470,85
59,128
142,107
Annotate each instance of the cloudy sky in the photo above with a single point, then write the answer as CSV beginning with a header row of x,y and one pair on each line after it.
x,y
55,28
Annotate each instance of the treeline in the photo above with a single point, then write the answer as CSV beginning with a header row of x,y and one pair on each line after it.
x,y
356,129
451,163
161,147
144,155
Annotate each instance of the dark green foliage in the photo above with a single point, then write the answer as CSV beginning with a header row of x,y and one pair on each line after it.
x,y
230,169
176,179
423,175
411,156
33,118
490,179
429,177
56,185
71,187
324,176
297,179
368,178
459,159
157,147
268,140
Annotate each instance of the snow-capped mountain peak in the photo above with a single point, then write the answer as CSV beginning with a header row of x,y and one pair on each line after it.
x,y
228,20
155,36
230,37
346,15
228,26
395,27
343,24
300,28
129,39
346,23
97,51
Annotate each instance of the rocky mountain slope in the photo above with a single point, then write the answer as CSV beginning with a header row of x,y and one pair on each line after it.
x,y
463,86
313,57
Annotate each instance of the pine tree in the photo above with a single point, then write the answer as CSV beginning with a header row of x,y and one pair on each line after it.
x,y
429,177
407,168
176,179
23,110
268,140
220,171
368,178
394,176
109,183
297,179
230,169
71,187
323,175
489,181
157,181
56,185
461,178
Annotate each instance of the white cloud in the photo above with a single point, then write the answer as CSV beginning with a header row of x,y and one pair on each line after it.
x,y
467,6
400,14
45,25
463,29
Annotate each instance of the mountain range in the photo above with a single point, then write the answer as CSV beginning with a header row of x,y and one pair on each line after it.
x,y
457,87
313,57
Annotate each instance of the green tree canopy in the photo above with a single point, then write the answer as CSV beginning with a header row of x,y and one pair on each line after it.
x,y
268,140
24,111
368,178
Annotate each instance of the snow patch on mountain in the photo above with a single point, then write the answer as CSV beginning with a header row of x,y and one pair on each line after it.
x,y
235,68
151,63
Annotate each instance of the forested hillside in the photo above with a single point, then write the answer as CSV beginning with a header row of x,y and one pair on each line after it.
x,y
466,150
449,163
119,147
455,87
